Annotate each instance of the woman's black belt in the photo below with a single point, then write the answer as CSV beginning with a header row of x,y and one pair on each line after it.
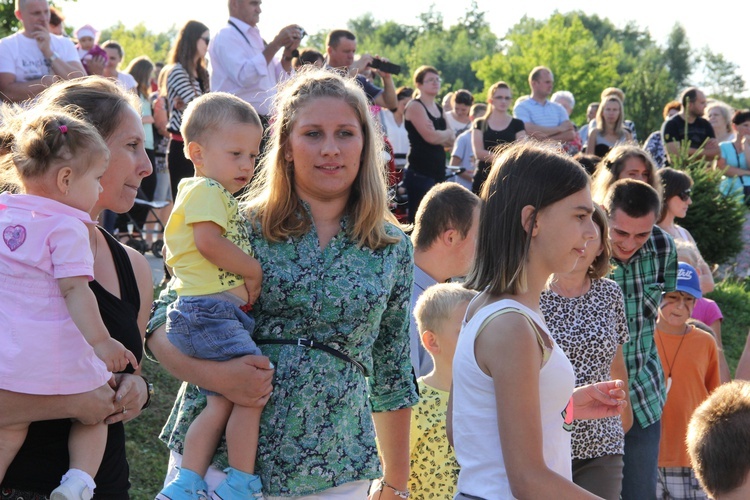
x,y
314,345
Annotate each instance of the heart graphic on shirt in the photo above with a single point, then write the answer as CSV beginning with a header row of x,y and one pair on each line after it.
x,y
14,236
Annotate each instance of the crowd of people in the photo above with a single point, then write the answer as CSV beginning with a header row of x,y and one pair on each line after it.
x,y
538,329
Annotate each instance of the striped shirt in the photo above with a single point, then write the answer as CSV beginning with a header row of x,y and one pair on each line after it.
x,y
549,114
180,84
651,271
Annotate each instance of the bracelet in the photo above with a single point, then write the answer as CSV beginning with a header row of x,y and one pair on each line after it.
x,y
150,392
398,493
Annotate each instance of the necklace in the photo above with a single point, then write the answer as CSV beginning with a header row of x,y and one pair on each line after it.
x,y
674,358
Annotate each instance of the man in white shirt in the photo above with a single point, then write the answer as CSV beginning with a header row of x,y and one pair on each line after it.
x,y
243,64
32,53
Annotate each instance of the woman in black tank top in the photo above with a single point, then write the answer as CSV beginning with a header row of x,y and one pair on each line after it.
x,y
123,289
428,139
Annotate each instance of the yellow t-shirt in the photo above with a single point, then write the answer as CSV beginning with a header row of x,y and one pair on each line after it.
x,y
200,199
434,469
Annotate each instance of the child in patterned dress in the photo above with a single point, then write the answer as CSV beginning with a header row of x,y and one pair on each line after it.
x,y
434,469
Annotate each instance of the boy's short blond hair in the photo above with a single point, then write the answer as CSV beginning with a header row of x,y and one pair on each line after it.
x,y
436,304
204,115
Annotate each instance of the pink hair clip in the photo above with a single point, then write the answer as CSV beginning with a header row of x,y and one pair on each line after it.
x,y
63,129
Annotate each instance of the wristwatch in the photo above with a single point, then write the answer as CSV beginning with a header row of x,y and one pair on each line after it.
x,y
54,57
150,388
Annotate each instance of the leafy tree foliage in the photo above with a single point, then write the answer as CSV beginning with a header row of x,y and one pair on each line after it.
x,y
139,41
722,77
678,55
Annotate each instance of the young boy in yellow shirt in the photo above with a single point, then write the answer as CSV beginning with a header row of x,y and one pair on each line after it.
x,y
434,469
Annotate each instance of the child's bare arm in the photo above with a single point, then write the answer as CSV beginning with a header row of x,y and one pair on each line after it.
x,y
221,252
82,306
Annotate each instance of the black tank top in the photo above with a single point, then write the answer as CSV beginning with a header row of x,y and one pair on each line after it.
x,y
43,458
425,158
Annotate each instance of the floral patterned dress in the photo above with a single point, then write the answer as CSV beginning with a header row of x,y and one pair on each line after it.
x,y
316,431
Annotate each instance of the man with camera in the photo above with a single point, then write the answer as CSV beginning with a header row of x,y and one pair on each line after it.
x,y
243,64
341,46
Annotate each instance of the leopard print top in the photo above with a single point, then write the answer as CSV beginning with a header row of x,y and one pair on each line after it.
x,y
589,329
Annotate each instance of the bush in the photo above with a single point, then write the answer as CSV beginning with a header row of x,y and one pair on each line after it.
x,y
733,297
714,220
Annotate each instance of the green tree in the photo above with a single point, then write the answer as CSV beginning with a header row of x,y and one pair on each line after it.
x,y
577,61
722,77
139,41
678,56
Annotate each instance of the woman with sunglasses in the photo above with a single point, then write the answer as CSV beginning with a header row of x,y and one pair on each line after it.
x,y
675,202
496,127
187,79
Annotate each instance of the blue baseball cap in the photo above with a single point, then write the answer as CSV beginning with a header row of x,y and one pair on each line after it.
x,y
688,281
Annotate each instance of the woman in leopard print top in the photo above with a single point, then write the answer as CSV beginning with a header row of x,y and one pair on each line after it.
x,y
586,315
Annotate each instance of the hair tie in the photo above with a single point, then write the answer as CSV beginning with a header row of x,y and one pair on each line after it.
x,y
63,129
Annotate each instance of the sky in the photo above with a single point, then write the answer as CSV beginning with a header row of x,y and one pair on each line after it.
x,y
721,33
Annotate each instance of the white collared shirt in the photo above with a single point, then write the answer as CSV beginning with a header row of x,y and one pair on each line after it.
x,y
238,66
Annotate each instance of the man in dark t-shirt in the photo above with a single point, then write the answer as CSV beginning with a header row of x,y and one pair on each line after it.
x,y
699,131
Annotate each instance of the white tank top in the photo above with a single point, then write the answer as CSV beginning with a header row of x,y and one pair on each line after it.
x,y
475,429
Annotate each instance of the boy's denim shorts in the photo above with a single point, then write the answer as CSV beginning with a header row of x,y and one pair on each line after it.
x,y
210,327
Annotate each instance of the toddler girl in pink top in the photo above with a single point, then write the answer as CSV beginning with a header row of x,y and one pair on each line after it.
x,y
53,339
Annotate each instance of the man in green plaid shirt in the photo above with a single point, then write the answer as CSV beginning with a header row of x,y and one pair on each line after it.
x,y
646,262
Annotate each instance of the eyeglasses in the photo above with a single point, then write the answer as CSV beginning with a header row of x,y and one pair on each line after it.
x,y
685,195
432,80
206,39
501,98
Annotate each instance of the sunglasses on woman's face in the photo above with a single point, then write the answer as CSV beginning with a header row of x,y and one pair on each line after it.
x,y
685,195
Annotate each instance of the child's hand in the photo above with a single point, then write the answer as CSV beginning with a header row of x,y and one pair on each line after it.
x,y
253,289
114,355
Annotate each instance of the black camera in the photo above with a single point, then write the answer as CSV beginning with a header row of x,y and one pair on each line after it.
x,y
385,67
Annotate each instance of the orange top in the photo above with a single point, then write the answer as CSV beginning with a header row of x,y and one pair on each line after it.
x,y
695,373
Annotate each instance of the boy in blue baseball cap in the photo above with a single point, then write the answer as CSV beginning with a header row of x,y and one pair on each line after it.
x,y
690,361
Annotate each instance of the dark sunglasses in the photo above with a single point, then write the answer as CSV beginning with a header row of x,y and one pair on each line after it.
x,y
685,195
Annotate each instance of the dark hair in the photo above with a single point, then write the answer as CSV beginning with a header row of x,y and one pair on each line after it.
x,y
718,439
422,71
688,95
634,198
675,182
741,116
141,68
462,96
111,44
601,267
404,93
524,173
447,205
308,56
333,38
185,49
55,16
588,162
100,101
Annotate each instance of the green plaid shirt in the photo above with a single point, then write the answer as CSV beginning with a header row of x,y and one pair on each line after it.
x,y
649,273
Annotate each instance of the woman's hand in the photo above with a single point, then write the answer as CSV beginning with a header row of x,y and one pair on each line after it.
x,y
247,380
603,399
130,396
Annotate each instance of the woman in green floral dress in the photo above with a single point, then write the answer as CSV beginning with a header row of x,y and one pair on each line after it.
x,y
333,311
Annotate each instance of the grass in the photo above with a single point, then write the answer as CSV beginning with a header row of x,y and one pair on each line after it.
x,y
148,455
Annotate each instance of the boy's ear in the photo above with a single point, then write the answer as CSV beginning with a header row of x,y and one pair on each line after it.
x,y
430,342
195,153
64,178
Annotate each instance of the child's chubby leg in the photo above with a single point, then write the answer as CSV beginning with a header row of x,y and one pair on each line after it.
x,y
86,444
11,440
242,443
204,434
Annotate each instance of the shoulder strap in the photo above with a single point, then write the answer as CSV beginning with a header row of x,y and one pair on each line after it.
x,y
546,351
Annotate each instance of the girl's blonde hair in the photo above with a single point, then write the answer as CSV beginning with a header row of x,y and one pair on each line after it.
x,y
601,126
33,142
272,200
609,169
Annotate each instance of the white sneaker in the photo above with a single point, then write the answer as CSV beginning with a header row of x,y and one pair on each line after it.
x,y
72,488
